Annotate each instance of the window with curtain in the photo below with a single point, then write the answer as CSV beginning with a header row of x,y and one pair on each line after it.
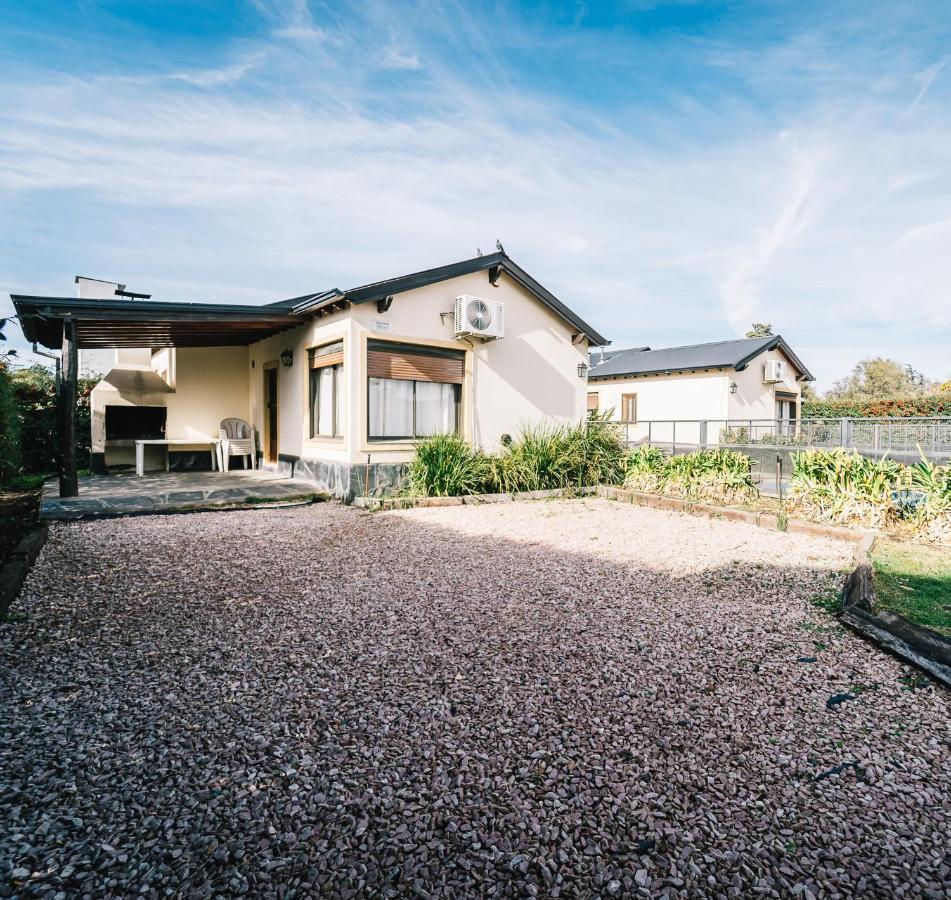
x,y
628,407
325,381
412,391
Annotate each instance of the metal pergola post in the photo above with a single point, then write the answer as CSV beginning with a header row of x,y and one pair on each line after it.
x,y
66,412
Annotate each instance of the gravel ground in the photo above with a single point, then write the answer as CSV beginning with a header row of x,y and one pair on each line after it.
x,y
573,698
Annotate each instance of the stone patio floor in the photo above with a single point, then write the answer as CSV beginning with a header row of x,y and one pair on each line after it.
x,y
126,493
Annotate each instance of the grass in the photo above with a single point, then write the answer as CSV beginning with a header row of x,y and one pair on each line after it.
x,y
915,581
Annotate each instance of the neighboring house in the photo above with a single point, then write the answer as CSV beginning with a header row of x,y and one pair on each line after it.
x,y
752,380
338,385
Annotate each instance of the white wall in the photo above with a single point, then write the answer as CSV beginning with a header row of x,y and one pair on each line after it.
x,y
754,399
690,396
527,377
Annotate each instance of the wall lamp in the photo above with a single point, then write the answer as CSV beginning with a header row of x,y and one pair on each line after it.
x,y
582,370
732,387
287,357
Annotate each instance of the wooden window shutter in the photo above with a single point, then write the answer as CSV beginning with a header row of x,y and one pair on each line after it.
x,y
408,362
592,401
328,355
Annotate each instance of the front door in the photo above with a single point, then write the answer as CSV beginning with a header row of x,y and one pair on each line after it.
x,y
270,413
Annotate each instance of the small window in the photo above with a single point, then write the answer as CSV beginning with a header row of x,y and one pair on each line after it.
x,y
325,377
628,407
592,401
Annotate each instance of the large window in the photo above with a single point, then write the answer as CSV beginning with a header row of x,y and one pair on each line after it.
x,y
325,382
412,391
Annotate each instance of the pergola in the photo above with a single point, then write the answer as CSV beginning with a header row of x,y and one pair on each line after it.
x,y
69,324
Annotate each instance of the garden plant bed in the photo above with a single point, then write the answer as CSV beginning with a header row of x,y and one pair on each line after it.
x,y
738,513
571,698
411,502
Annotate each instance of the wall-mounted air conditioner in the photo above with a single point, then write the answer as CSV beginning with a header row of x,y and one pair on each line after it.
x,y
774,370
477,317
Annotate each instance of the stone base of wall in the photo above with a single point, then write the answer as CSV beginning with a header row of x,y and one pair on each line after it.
x,y
343,480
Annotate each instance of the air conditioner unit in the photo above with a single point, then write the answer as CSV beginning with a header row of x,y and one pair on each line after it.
x,y
774,370
477,317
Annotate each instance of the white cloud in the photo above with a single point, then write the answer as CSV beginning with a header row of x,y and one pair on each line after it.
x,y
824,218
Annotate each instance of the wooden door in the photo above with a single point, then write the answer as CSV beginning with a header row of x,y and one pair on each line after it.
x,y
270,413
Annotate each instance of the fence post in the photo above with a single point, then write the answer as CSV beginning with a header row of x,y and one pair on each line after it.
x,y
846,433
703,432
649,423
673,439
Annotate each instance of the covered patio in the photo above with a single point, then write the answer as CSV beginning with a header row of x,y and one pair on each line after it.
x,y
125,493
70,324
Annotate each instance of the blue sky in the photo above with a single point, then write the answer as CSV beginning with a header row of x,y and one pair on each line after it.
x,y
672,170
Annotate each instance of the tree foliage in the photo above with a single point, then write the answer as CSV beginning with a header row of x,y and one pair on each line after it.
x,y
34,391
10,458
879,379
760,329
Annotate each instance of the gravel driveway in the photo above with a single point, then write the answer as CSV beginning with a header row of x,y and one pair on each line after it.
x,y
567,698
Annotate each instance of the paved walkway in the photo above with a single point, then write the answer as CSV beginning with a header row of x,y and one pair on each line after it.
x,y
128,494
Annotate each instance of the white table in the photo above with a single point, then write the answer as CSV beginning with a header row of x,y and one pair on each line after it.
x,y
214,443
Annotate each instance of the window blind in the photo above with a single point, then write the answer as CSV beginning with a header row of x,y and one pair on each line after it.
x,y
409,362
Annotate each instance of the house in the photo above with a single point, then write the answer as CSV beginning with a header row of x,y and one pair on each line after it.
x,y
337,384
754,380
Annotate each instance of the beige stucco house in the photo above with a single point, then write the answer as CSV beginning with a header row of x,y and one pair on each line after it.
x,y
337,385
753,382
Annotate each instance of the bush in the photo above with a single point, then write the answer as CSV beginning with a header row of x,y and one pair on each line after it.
x,y
930,405
845,487
541,458
444,465
34,390
718,474
10,445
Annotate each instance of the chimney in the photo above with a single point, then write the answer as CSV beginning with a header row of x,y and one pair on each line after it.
x,y
96,288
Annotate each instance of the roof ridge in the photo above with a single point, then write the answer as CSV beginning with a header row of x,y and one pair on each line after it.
x,y
709,343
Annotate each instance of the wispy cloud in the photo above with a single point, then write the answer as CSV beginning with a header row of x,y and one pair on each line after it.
x,y
772,183
221,76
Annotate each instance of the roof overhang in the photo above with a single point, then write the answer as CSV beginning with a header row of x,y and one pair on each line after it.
x,y
494,264
130,323
777,343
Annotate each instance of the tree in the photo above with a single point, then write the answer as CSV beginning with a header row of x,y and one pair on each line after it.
x,y
760,329
879,379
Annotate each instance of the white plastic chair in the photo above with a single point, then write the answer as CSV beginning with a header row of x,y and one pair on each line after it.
x,y
237,439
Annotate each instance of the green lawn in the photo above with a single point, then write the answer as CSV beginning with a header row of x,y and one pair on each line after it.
x,y
915,581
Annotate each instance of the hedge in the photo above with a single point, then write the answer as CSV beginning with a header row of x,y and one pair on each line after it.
x,y
909,407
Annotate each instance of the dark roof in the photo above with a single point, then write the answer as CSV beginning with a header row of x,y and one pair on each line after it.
x,y
150,323
734,354
601,355
124,323
379,289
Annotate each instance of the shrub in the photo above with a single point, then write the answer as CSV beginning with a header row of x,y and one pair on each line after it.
x,y
845,487
933,517
541,458
444,465
937,404
10,449
717,474
34,389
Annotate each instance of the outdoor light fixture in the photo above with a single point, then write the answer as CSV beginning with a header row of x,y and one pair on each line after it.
x,y
582,369
287,357
732,387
